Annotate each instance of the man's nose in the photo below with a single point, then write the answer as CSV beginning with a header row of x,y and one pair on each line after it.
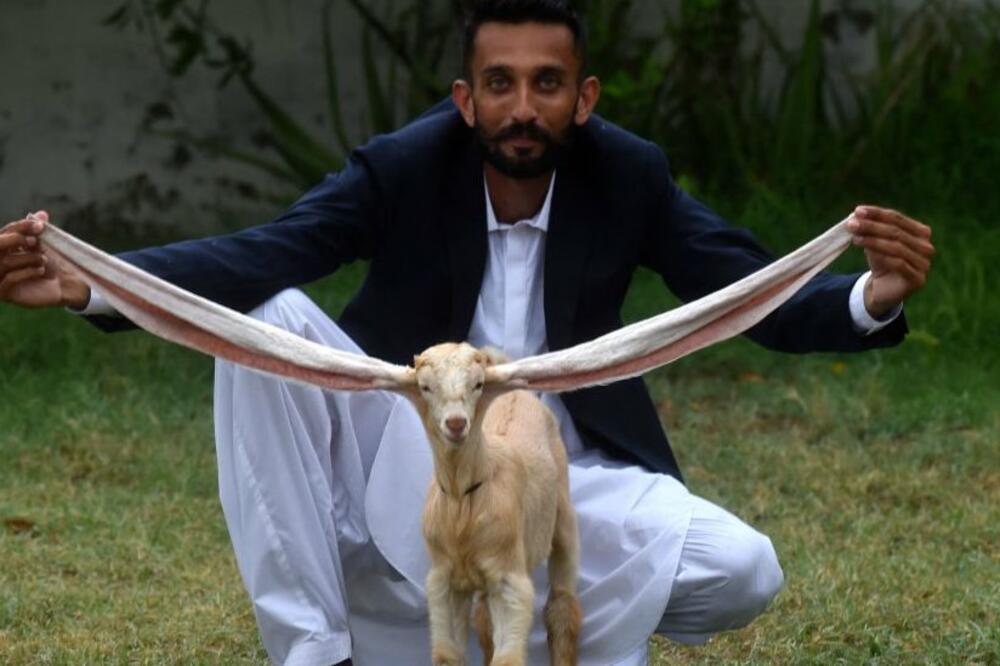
x,y
524,108
455,424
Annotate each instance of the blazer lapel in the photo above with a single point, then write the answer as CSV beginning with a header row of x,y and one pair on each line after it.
x,y
465,236
567,248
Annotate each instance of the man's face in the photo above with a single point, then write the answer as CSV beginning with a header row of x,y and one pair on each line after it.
x,y
524,95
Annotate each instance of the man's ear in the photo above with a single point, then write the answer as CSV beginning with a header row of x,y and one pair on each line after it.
x,y
461,95
590,92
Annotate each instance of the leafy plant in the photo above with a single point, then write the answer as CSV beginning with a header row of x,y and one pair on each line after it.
x,y
185,33
692,78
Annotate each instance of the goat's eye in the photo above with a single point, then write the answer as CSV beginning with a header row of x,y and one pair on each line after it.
x,y
478,386
425,388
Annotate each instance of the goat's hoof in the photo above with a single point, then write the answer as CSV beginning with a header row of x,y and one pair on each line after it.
x,y
446,657
507,660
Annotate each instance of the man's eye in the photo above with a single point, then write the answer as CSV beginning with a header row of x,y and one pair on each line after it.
x,y
497,83
549,82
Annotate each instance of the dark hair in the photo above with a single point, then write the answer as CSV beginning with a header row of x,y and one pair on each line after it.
x,y
522,11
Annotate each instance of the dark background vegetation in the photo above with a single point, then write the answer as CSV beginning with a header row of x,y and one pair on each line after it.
x,y
877,476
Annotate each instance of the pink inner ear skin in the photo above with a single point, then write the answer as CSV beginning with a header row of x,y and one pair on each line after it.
x,y
166,325
290,359
717,329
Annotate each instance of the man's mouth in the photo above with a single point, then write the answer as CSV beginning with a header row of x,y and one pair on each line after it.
x,y
522,142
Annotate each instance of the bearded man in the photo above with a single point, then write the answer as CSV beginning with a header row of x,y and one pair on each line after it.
x,y
509,216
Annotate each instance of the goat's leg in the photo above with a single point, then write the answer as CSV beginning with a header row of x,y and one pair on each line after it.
x,y
449,619
562,610
510,604
484,627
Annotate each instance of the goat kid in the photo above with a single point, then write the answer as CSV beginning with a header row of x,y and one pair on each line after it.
x,y
498,506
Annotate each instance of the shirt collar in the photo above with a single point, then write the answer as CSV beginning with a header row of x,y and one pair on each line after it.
x,y
540,221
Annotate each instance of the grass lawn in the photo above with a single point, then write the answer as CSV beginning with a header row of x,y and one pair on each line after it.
x,y
877,476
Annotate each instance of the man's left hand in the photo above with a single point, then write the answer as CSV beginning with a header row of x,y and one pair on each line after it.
x,y
899,253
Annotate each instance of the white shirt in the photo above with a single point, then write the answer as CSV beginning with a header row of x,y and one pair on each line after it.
x,y
510,312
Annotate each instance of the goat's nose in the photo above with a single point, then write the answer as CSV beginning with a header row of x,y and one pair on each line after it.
x,y
455,424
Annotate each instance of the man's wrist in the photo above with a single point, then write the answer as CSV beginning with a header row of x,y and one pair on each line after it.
x,y
75,294
865,322
876,309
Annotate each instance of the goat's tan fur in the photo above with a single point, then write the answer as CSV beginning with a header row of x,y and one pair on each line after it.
x,y
484,544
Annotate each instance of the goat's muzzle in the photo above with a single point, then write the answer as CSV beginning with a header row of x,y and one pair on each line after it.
x,y
456,428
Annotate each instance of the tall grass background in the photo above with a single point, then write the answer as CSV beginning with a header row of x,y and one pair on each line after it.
x,y
876,475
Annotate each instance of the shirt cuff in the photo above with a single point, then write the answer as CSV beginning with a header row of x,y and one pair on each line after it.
x,y
97,305
864,323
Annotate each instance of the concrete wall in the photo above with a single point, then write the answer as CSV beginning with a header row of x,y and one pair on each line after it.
x,y
74,93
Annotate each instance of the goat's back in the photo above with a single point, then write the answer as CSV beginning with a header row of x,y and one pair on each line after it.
x,y
522,436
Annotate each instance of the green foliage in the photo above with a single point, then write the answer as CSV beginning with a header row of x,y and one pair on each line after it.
x,y
739,110
809,130
185,33
762,124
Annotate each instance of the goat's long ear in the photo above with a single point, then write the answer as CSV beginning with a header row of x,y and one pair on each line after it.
x,y
653,342
189,320
493,356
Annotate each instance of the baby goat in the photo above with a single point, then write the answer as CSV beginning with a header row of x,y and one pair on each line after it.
x,y
499,505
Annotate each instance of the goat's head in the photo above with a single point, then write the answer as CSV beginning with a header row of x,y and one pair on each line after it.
x,y
452,389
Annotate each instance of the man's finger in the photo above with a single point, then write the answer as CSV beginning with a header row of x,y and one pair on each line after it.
x,y
25,227
891,248
10,241
12,262
913,277
894,218
16,277
890,232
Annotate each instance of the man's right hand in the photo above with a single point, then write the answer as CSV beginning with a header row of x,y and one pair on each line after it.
x,y
31,277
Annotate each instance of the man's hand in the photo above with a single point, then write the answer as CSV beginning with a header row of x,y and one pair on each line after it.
x,y
899,253
30,277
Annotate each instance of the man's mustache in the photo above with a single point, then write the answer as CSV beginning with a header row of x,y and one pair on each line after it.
x,y
519,130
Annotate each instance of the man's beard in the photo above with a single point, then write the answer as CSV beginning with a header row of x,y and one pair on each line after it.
x,y
554,149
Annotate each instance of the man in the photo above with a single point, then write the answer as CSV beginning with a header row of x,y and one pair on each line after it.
x,y
510,216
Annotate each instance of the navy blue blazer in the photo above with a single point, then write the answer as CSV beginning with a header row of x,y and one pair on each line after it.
x,y
412,202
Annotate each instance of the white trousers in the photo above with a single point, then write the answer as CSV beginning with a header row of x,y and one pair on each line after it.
x,y
294,466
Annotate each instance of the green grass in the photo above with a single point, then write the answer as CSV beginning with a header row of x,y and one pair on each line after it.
x,y
877,476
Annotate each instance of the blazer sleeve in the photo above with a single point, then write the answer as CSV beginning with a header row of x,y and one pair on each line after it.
x,y
696,252
336,222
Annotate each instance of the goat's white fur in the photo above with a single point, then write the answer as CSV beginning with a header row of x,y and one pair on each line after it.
x,y
498,506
